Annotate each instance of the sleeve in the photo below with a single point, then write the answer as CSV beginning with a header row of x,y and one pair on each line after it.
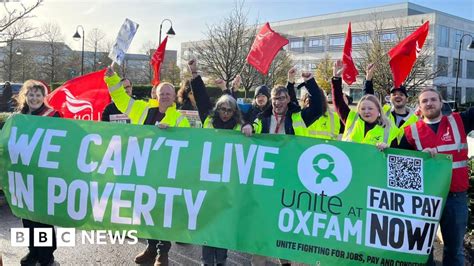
x,y
369,87
404,144
292,92
315,108
106,114
203,101
126,104
229,92
339,104
468,119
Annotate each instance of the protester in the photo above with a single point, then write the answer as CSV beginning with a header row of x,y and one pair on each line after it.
x,y
30,101
397,112
161,112
328,125
260,103
284,116
6,96
368,124
186,99
111,113
446,134
224,115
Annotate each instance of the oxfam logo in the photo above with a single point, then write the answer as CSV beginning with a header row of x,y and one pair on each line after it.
x,y
325,167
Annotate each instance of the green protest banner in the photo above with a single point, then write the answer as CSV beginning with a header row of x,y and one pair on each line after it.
x,y
307,200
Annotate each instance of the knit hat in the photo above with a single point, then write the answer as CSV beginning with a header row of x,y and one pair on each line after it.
x,y
262,90
402,89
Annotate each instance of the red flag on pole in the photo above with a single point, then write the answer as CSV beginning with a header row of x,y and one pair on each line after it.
x,y
349,71
157,60
404,54
82,98
265,47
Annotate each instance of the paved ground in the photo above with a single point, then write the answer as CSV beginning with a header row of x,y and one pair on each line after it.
x,y
110,254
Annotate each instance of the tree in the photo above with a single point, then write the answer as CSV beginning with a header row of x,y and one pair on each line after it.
x,y
376,51
148,48
12,15
54,53
171,73
95,42
223,53
323,73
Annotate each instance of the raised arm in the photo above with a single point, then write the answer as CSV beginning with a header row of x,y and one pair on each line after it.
x,y
337,96
368,84
126,104
315,108
203,102
290,86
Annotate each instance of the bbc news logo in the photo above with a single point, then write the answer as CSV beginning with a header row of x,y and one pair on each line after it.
x,y
66,237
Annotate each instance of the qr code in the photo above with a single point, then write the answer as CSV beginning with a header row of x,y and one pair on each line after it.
x,y
405,173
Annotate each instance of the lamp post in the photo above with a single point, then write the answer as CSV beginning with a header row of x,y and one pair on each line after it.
x,y
170,31
19,52
76,37
471,46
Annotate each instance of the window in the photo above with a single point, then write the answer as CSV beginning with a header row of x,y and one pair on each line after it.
x,y
443,90
455,67
296,44
469,95
312,66
443,39
442,66
457,38
315,42
335,41
470,69
388,37
358,39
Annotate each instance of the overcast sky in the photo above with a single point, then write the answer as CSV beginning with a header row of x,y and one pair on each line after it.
x,y
190,18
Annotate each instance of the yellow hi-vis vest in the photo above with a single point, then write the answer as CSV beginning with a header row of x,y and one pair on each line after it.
x,y
137,110
326,127
297,122
355,128
208,124
412,119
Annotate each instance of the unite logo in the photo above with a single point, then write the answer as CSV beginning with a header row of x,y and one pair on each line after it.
x,y
81,109
325,168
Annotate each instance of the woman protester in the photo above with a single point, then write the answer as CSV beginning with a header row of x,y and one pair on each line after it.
x,y
369,123
30,101
185,97
224,115
260,103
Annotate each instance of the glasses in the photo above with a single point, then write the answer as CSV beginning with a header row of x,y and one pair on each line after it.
x,y
224,110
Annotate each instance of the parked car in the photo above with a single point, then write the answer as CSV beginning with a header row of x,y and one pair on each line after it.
x,y
9,105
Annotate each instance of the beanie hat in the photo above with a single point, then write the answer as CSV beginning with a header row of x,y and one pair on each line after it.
x,y
262,90
402,89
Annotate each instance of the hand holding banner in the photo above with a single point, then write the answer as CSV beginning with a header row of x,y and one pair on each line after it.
x,y
123,41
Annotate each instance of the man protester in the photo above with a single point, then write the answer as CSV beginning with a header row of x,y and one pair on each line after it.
x,y
161,112
446,134
284,116
398,112
111,113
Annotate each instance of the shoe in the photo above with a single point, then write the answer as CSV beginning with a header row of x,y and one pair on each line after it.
x,y
161,260
146,256
29,259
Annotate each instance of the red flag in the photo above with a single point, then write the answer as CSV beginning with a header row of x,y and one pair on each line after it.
x,y
157,60
265,47
349,71
404,54
82,98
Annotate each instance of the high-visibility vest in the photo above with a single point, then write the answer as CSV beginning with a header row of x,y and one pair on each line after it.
x,y
412,118
450,139
355,128
326,127
297,122
137,110
208,124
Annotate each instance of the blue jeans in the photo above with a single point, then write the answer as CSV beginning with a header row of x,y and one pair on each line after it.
x,y
453,227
